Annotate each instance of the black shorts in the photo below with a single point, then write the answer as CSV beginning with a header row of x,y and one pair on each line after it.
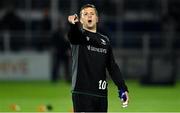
x,y
88,103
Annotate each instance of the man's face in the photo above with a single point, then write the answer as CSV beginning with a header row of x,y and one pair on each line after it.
x,y
89,18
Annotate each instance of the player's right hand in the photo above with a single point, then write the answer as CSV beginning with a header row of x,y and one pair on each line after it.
x,y
73,19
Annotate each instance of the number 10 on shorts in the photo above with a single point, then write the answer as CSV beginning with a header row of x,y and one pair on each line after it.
x,y
102,84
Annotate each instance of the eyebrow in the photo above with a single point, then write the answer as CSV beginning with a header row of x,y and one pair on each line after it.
x,y
90,11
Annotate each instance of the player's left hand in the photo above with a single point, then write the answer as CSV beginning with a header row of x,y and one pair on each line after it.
x,y
124,98
126,101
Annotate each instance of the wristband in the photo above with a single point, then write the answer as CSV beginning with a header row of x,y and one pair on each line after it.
x,y
122,95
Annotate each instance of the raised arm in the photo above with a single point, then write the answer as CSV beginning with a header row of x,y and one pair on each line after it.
x,y
78,36
75,34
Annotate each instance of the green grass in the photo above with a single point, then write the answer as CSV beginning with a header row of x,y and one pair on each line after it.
x,y
148,98
30,95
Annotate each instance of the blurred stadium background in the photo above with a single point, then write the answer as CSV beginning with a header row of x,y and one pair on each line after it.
x,y
145,39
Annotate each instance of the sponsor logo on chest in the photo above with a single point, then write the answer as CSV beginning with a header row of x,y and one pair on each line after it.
x,y
95,49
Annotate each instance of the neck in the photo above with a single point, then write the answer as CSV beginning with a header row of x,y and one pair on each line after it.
x,y
90,30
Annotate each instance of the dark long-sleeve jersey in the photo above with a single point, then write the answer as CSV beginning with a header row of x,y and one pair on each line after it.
x,y
91,56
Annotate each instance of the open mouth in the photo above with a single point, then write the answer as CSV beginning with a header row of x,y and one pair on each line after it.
x,y
89,21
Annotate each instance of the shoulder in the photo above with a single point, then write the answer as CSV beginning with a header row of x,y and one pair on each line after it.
x,y
103,37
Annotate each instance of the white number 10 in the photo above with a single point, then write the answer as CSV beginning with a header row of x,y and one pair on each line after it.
x,y
102,84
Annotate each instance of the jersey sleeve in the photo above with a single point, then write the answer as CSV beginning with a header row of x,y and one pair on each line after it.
x,y
77,36
114,71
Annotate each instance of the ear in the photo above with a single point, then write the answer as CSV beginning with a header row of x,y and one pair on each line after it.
x,y
81,20
97,19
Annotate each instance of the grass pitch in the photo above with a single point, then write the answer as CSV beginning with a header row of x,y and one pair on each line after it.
x,y
30,96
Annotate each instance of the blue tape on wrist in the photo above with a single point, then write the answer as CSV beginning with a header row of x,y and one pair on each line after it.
x,y
122,95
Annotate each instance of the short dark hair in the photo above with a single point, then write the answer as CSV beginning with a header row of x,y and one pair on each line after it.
x,y
88,6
